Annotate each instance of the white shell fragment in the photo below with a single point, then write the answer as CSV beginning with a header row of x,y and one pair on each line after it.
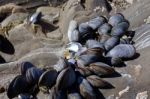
x,y
75,47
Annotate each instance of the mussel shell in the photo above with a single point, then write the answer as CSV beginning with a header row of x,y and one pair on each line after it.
x,y
65,78
86,32
97,82
74,96
61,94
94,44
101,69
86,90
126,51
116,19
74,46
111,42
96,22
48,78
120,29
33,74
17,86
105,29
61,64
25,66
85,60
25,96
73,34
84,71
94,51
36,17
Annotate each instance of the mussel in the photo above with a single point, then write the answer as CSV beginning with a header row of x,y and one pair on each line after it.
x,y
126,51
97,82
101,69
65,79
17,86
33,74
86,90
104,38
120,29
94,44
48,79
96,22
105,29
73,33
111,42
116,19
25,66
74,96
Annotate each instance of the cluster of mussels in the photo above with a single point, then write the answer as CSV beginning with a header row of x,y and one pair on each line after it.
x,y
95,47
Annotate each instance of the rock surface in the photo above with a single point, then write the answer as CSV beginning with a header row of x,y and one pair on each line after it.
x,y
42,51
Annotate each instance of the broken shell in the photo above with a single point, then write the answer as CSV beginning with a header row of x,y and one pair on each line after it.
x,y
116,19
17,86
65,79
104,29
86,90
120,29
73,46
36,17
25,66
96,22
97,82
73,34
100,69
74,96
48,78
111,42
33,74
61,64
126,51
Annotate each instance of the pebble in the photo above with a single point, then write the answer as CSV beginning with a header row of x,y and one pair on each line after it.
x,y
2,89
142,95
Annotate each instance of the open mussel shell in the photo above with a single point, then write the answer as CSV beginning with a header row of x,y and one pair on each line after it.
x,y
94,44
116,19
17,86
65,79
111,42
36,17
86,90
101,69
33,74
74,46
126,51
97,82
48,79
105,29
74,96
61,64
120,29
73,34
25,66
85,60
97,22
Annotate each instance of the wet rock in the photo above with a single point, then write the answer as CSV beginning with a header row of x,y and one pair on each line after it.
x,y
14,19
